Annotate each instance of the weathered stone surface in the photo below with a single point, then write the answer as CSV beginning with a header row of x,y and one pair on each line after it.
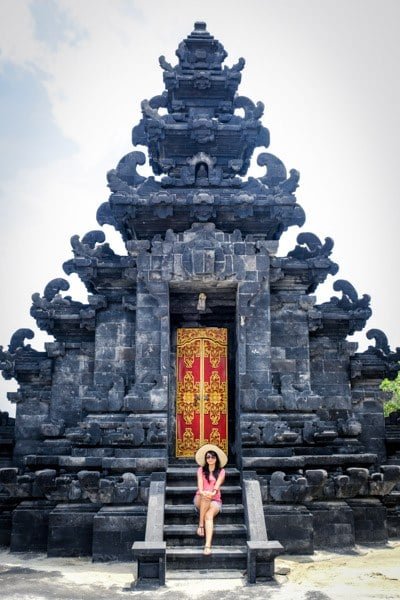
x,y
333,525
115,529
292,526
71,530
369,520
30,526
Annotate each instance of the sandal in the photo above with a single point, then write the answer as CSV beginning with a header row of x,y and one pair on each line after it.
x,y
200,531
207,550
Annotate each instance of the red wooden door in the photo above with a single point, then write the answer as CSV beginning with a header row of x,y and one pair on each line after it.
x,y
201,389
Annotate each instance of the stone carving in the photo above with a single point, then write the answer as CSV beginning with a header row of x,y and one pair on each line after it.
x,y
288,488
54,287
319,485
349,299
18,338
85,485
251,110
381,483
310,246
88,434
317,431
126,491
350,483
349,427
125,176
381,341
156,433
16,345
382,348
279,432
357,309
92,245
251,433
52,429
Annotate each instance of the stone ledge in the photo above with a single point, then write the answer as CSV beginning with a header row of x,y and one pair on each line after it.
x,y
261,559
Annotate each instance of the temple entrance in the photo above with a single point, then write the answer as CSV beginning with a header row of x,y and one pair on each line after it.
x,y
201,389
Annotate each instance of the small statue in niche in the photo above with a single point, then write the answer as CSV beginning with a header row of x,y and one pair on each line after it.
x,y
201,303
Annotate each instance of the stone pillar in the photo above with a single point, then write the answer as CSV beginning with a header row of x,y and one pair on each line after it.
x,y
152,329
290,342
31,413
254,336
330,364
114,352
72,375
368,408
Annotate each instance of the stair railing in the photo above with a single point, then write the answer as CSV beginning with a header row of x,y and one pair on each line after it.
x,y
151,554
261,552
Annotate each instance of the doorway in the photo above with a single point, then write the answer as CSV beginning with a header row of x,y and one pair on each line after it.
x,y
211,312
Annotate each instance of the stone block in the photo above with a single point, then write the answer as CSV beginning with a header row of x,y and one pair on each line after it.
x,y
292,526
151,563
333,525
71,530
115,529
30,522
369,520
261,559
6,512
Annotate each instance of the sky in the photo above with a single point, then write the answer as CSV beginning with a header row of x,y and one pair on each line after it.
x,y
73,74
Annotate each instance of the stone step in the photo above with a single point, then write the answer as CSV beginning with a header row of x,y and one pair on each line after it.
x,y
181,476
192,558
180,472
185,534
185,513
184,509
175,490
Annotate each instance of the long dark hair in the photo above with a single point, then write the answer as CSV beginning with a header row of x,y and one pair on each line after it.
x,y
206,468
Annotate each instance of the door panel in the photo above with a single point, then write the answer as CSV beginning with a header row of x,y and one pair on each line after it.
x,y
201,390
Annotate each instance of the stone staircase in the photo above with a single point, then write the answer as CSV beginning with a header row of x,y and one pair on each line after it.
x,y
184,548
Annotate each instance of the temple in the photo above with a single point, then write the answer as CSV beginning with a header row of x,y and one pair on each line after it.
x,y
201,332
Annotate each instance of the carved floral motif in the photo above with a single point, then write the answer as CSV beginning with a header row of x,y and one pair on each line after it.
x,y
215,403
188,397
188,444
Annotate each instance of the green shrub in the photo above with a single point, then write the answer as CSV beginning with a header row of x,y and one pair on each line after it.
x,y
394,387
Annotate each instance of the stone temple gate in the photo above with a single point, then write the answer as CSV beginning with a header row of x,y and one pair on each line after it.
x,y
201,332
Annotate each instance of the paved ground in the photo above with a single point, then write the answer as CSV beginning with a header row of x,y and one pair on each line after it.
x,y
365,573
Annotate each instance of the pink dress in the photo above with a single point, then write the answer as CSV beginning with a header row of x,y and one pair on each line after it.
x,y
208,486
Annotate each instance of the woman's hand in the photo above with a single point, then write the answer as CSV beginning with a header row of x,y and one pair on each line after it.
x,y
208,494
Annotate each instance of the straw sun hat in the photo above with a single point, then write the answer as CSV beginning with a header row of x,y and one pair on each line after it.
x,y
200,456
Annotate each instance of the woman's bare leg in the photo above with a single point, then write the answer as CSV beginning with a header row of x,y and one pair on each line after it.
x,y
209,526
203,505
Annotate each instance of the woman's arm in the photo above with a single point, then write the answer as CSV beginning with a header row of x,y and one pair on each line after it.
x,y
220,480
200,480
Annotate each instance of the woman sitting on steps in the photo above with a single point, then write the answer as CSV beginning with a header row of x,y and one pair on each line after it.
x,y
210,477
